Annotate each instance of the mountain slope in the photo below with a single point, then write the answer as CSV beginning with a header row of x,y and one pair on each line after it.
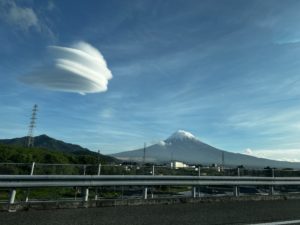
x,y
46,142
183,146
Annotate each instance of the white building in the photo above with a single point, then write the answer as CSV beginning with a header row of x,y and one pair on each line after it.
x,y
177,165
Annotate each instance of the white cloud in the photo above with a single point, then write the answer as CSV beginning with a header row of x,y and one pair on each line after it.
x,y
291,155
80,69
22,17
248,151
162,143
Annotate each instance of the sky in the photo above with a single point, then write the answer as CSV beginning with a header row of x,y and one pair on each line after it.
x,y
226,71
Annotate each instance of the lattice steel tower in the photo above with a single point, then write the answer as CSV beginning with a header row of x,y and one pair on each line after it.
x,y
32,126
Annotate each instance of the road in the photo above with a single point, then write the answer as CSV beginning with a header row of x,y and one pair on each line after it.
x,y
234,212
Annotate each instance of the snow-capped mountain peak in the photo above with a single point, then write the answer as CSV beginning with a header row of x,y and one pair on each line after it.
x,y
185,147
181,135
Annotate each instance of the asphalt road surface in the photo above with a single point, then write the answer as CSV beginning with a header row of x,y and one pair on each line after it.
x,y
242,212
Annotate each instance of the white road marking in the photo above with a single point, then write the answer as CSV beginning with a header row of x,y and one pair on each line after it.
x,y
278,223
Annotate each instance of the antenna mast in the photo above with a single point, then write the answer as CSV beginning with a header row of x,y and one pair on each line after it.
x,y
32,126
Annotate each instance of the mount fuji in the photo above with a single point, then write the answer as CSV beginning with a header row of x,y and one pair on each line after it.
x,y
185,147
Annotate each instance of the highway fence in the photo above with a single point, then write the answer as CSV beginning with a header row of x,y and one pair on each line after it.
x,y
148,169
30,182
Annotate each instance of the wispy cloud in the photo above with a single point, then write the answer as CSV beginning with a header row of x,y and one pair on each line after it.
x,y
107,113
80,69
292,155
51,6
27,19
267,120
22,17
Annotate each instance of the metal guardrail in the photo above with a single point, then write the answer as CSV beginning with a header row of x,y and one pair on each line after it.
x,y
87,181
28,181
15,176
97,169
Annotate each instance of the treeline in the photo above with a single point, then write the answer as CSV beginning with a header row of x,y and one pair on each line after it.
x,y
18,154
23,157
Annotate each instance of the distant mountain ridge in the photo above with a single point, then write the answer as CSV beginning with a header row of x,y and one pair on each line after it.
x,y
44,141
184,146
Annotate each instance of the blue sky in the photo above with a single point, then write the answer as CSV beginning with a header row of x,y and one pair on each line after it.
x,y
226,71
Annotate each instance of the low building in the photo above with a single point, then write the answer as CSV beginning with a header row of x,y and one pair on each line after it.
x,y
177,165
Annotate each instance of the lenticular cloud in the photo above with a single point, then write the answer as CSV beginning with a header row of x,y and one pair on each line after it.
x,y
80,68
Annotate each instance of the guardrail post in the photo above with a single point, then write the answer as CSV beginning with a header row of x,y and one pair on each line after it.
x,y
271,190
145,193
236,191
273,172
75,194
199,171
31,174
12,196
98,174
238,171
85,194
194,192
96,194
99,169
153,170
84,169
32,168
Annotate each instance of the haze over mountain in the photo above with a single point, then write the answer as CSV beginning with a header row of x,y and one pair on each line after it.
x,y
184,146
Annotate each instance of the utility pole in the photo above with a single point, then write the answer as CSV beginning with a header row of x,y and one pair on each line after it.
x,y
98,157
223,160
144,154
98,174
32,124
172,164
